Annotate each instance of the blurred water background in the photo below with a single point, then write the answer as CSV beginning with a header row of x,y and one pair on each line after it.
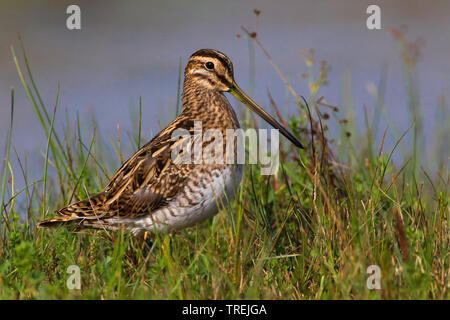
x,y
131,49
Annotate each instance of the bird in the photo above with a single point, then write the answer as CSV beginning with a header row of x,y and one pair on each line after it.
x,y
153,191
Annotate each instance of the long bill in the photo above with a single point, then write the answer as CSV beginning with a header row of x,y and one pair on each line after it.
x,y
245,99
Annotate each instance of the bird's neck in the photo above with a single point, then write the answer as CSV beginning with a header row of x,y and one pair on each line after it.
x,y
196,96
209,106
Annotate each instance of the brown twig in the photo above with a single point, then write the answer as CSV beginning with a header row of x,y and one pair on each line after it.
x,y
274,106
253,35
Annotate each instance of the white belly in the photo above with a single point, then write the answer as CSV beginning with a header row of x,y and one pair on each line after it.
x,y
204,203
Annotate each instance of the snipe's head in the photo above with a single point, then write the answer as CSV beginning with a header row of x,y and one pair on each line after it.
x,y
212,70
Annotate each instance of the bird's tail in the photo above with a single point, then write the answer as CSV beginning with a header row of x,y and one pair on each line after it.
x,y
88,209
56,222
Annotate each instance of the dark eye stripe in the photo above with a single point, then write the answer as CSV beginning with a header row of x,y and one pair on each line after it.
x,y
205,77
224,80
222,60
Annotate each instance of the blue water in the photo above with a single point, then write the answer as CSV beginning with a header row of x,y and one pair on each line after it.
x,y
126,51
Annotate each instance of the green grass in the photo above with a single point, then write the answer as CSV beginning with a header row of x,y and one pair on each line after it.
x,y
309,232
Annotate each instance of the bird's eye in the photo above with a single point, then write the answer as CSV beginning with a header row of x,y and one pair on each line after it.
x,y
209,65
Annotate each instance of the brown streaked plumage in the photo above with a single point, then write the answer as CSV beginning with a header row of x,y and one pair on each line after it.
x,y
150,191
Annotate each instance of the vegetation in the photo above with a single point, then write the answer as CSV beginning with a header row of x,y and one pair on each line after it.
x,y
309,232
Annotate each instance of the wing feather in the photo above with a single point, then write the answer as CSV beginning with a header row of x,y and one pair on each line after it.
x,y
144,183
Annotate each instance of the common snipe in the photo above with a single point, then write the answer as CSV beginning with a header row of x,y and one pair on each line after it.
x,y
151,191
